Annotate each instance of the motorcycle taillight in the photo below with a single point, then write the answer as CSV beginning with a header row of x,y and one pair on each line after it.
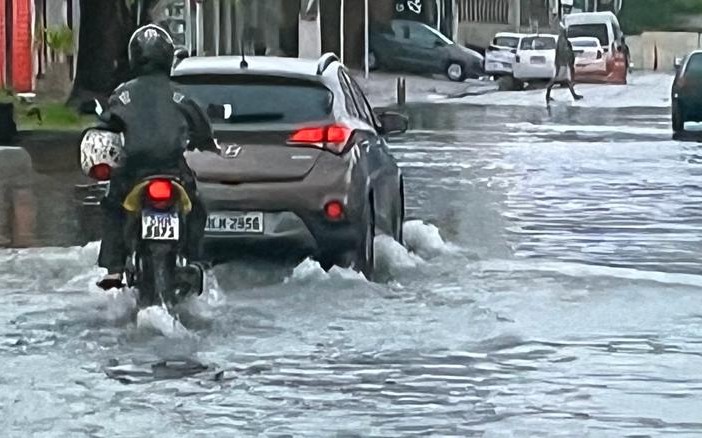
x,y
160,193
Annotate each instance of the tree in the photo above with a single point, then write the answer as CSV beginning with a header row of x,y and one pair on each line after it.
x,y
105,29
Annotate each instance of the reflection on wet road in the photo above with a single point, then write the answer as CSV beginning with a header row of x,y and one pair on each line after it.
x,y
563,302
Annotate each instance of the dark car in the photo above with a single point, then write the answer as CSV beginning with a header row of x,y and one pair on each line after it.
x,y
687,91
304,167
413,46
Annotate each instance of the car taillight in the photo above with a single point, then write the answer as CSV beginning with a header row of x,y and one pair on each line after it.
x,y
100,172
599,55
517,59
334,210
160,190
332,137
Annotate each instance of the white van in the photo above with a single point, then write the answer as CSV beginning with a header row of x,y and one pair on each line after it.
x,y
605,27
602,25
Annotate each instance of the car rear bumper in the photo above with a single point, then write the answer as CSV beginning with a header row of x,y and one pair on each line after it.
x,y
294,223
526,72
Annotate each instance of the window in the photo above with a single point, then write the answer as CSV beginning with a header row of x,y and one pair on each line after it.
x,y
694,65
422,36
237,99
584,43
538,43
367,112
598,31
348,97
509,42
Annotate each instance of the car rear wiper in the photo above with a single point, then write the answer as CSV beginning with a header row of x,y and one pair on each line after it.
x,y
255,117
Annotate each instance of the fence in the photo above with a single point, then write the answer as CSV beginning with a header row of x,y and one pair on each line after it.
x,y
484,11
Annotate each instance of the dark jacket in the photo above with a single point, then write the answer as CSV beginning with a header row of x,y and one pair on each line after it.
x,y
564,51
158,121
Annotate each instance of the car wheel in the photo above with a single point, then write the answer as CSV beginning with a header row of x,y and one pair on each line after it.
x,y
372,61
455,72
678,119
365,255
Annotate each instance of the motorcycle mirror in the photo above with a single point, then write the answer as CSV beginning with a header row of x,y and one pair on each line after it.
x,y
98,108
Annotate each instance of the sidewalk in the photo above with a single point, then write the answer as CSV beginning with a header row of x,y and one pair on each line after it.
x,y
381,88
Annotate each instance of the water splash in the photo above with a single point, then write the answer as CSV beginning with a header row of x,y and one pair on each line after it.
x,y
392,257
157,318
425,240
310,271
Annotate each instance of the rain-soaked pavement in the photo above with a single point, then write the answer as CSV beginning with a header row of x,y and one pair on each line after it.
x,y
563,300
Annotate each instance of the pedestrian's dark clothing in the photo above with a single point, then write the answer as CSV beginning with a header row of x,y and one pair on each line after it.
x,y
565,66
159,123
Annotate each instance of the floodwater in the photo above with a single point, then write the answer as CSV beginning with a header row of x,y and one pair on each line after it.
x,y
552,288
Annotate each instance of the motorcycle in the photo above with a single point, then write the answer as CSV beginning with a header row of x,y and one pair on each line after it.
x,y
157,210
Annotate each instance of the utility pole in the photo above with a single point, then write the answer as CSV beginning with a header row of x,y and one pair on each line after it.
x,y
367,39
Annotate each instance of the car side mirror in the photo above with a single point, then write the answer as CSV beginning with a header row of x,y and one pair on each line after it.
x,y
393,123
678,63
438,43
181,53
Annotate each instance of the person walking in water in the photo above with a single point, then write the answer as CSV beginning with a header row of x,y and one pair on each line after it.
x,y
565,66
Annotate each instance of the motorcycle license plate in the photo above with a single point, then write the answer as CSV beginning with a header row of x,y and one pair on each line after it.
x,y
160,226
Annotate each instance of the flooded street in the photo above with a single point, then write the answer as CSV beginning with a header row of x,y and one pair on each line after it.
x,y
562,299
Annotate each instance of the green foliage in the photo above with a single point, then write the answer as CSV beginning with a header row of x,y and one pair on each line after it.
x,y
638,16
60,39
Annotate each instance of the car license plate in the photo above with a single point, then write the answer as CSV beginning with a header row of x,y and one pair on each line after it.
x,y
159,226
538,60
494,66
247,223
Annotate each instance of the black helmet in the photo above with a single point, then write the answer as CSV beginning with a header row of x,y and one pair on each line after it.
x,y
151,50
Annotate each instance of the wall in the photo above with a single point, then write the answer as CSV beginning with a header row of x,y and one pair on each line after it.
x,y
480,34
658,50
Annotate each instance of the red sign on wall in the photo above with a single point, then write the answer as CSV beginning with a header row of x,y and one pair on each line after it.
x,y
3,45
22,46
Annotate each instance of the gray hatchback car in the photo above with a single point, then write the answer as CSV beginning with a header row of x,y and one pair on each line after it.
x,y
304,168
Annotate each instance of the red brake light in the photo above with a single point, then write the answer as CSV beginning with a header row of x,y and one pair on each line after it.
x,y
100,172
308,135
160,190
334,210
331,137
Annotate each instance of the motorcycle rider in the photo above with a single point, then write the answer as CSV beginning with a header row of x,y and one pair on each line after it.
x,y
159,124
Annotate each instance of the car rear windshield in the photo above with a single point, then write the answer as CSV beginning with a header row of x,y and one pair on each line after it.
x,y
584,43
538,43
510,42
598,31
694,65
232,99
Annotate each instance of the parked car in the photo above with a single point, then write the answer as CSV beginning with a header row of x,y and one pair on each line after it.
x,y
590,63
536,58
605,27
500,55
686,94
415,47
304,167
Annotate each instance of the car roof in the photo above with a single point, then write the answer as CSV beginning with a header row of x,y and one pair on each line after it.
x,y
509,35
591,18
257,65
540,35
